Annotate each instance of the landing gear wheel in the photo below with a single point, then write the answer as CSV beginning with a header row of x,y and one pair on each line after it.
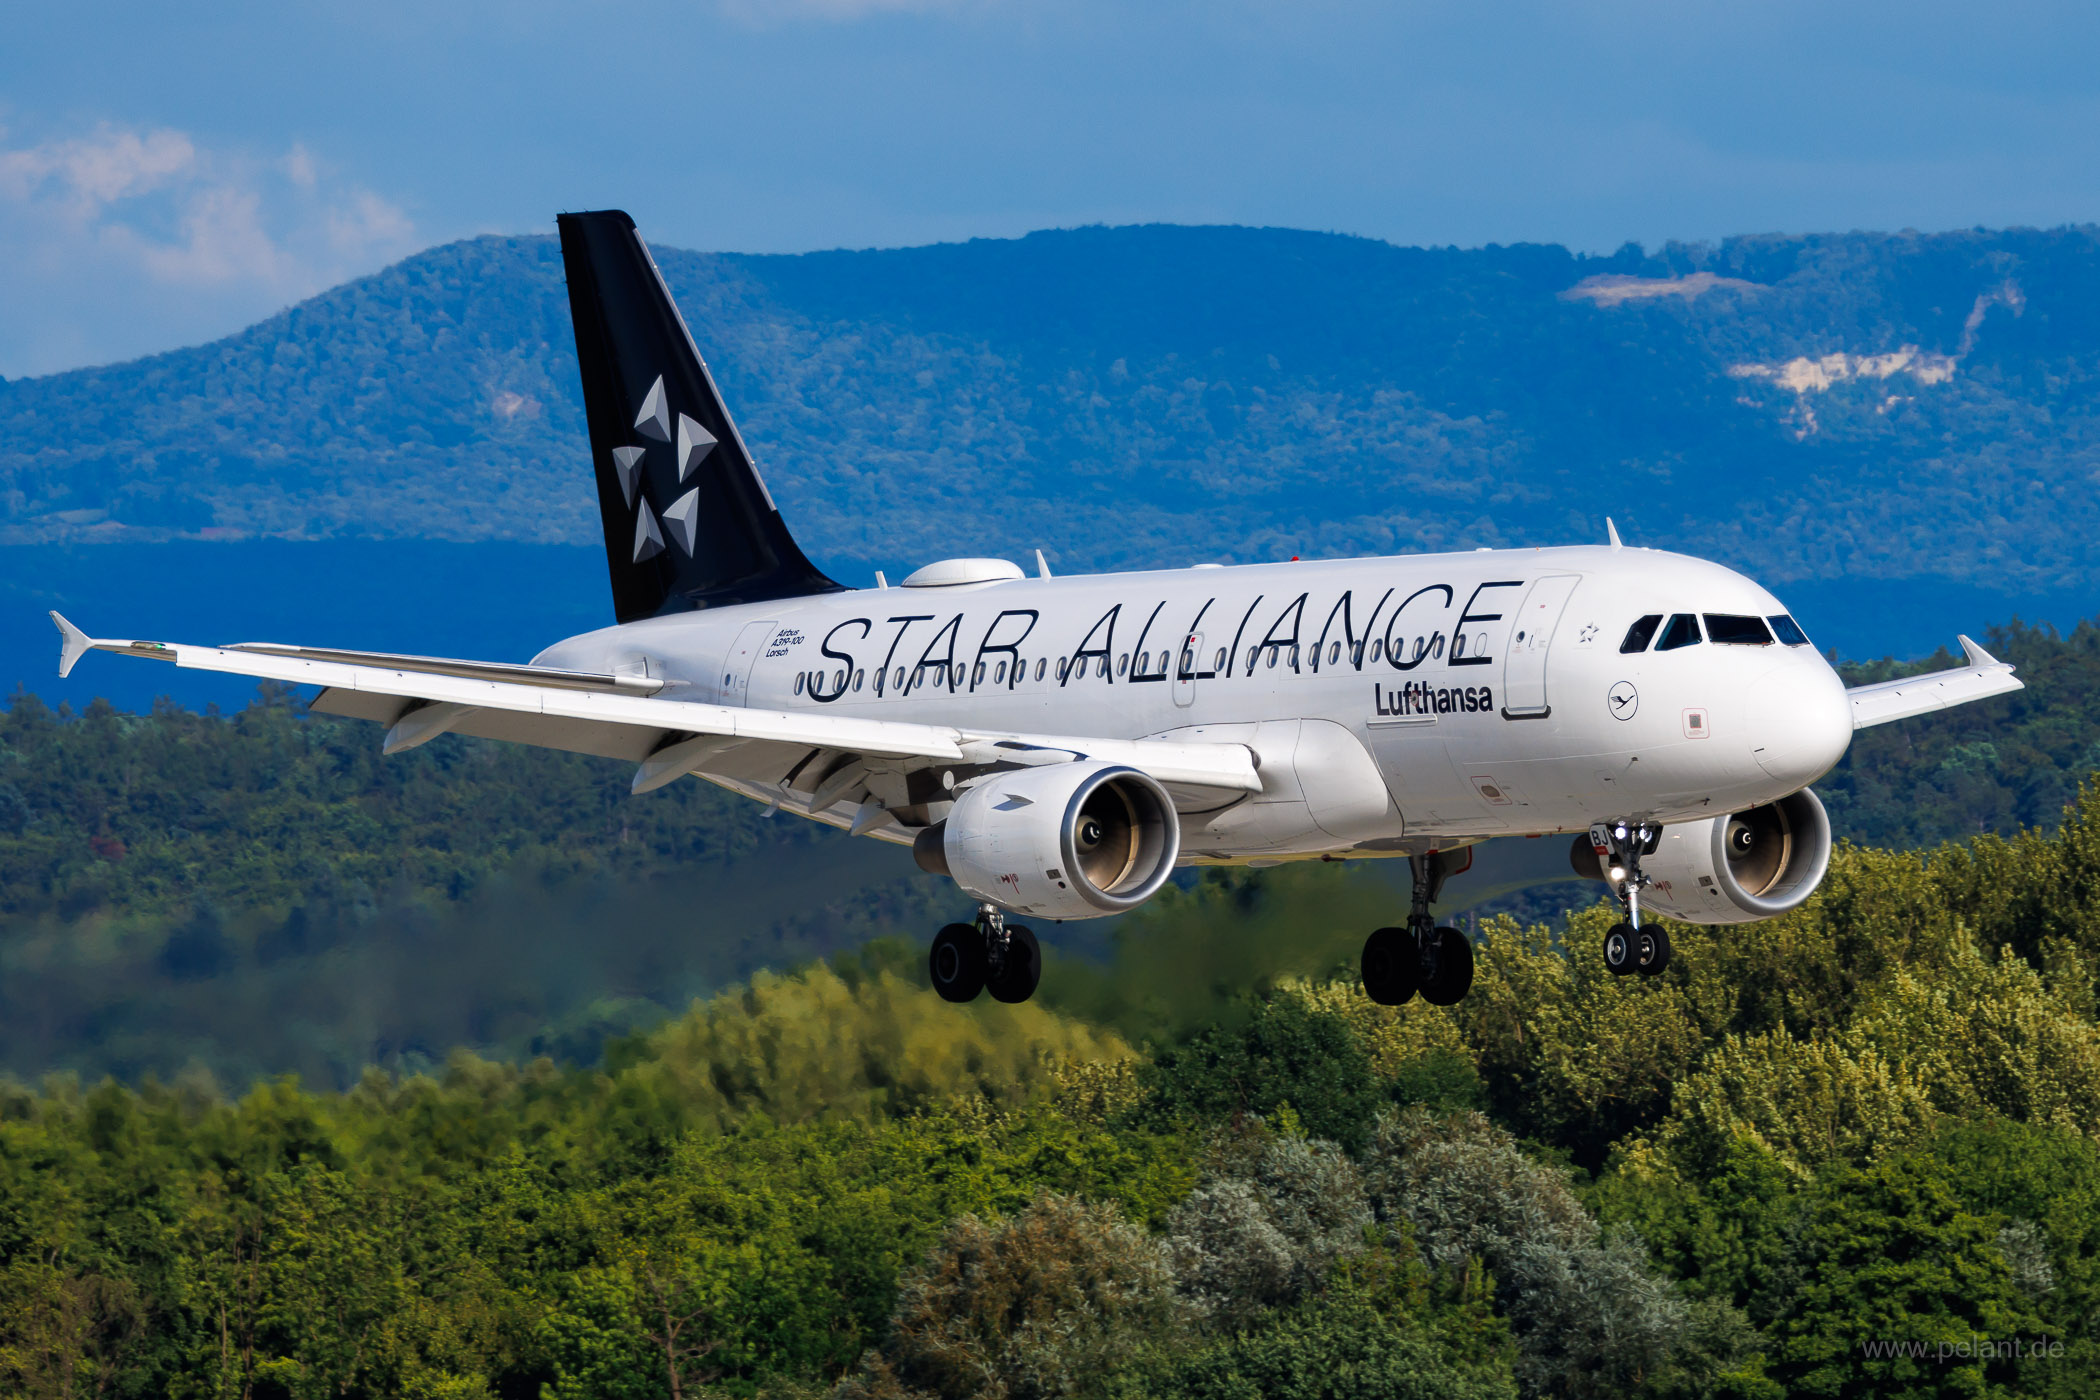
x,y
957,962
1451,957
1621,949
1017,976
1392,966
1651,948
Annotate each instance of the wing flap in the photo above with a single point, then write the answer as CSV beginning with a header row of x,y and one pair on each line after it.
x,y
634,727
1887,701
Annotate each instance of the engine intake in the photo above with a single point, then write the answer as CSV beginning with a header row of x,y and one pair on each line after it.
x,y
1064,841
1737,868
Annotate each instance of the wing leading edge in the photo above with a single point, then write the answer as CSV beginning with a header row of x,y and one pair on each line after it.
x,y
1984,676
761,752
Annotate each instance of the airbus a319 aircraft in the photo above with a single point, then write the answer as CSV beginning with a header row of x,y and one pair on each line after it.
x,y
1058,747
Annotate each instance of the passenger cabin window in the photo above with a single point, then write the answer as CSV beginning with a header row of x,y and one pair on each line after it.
x,y
1726,629
1682,631
1789,630
1640,634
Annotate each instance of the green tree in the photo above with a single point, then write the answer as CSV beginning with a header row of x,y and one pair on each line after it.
x,y
1889,1258
1285,1053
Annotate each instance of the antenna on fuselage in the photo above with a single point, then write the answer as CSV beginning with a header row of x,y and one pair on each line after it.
x,y
1611,532
1042,565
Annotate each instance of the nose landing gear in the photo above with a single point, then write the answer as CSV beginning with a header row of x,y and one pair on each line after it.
x,y
990,955
1628,947
1437,962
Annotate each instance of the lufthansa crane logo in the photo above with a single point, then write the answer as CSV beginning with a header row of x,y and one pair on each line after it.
x,y
1623,700
693,443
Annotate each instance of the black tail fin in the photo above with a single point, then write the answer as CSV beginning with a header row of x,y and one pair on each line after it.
x,y
688,522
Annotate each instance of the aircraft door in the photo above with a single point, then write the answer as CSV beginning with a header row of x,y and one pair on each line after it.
x,y
1185,670
1530,634
736,667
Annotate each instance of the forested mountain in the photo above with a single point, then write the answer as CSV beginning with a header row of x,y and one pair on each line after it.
x,y
1866,406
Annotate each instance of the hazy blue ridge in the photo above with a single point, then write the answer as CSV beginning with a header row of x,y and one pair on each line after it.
x,y
1156,395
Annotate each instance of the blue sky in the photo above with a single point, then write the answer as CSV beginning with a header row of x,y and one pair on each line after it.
x,y
171,173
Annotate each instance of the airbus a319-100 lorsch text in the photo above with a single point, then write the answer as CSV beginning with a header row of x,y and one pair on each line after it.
x,y
1059,746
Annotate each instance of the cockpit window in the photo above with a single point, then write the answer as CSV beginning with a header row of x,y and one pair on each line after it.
x,y
1789,630
1640,634
1730,630
1683,631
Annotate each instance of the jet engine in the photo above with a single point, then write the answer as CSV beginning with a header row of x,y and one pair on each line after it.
x,y
1736,869
1064,841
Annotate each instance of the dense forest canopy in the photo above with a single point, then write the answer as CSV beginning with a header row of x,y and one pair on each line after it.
x,y
1850,1151
1879,407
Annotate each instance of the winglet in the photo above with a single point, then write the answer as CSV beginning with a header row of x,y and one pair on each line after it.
x,y
1042,565
73,645
1611,532
1978,657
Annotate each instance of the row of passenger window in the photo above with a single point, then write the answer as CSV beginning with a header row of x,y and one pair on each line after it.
x,y
1725,629
949,676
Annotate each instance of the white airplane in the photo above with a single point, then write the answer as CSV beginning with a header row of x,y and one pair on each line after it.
x,y
1059,746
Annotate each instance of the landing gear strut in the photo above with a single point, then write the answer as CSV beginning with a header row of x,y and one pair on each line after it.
x,y
990,955
1628,947
1437,962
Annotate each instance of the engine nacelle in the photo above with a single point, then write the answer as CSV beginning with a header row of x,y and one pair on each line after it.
x,y
1736,869
1064,841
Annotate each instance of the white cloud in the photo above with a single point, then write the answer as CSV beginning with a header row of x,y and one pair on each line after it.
x,y
182,228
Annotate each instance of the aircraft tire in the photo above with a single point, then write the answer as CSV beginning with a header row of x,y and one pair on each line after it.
x,y
1621,949
1453,978
1017,980
1391,966
1652,950
956,963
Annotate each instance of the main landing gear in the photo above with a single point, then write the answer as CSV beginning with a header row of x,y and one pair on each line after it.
x,y
1437,962
990,955
1629,947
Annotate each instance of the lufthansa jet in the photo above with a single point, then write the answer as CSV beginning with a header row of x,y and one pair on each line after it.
x,y
1058,747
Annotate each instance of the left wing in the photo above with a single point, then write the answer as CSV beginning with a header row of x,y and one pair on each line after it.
x,y
1983,677
810,762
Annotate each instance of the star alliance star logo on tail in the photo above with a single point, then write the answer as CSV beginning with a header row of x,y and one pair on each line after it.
x,y
693,445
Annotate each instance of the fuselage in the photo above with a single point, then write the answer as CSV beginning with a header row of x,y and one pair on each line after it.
x,y
1445,697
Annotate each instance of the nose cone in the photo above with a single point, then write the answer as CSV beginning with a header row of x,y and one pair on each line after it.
x,y
1799,721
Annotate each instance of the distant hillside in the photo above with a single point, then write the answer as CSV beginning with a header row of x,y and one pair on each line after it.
x,y
1864,406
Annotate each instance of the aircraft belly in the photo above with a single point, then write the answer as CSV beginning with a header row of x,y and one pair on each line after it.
x,y
1320,791
1414,757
